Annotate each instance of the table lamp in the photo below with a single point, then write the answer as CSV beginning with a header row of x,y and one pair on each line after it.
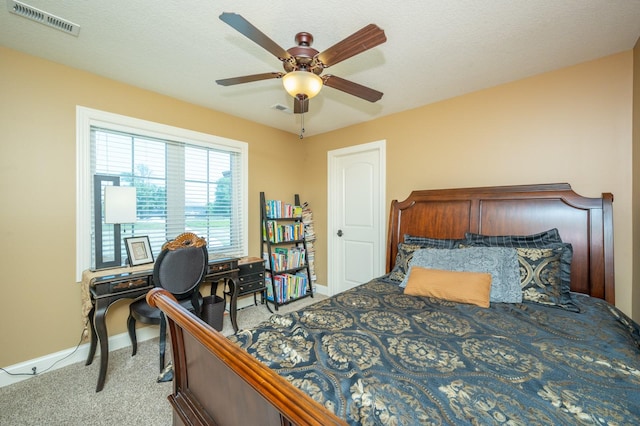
x,y
119,208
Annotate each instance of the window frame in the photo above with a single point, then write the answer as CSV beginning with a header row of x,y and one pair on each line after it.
x,y
88,117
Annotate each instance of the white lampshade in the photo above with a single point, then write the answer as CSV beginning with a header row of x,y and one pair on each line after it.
x,y
302,83
119,204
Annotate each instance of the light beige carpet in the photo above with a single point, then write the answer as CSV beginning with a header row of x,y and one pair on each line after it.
x,y
131,395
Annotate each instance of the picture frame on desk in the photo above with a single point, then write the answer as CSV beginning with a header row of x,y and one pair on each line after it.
x,y
138,250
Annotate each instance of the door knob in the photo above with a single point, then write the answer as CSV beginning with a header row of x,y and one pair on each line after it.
x,y
339,233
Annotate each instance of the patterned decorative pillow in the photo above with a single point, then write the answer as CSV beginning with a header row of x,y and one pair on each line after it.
x,y
541,240
544,240
544,276
426,242
401,267
500,262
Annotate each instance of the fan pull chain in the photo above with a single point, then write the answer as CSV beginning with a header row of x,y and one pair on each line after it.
x,y
300,101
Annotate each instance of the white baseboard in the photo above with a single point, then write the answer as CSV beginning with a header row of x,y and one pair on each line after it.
x,y
321,289
67,357
51,362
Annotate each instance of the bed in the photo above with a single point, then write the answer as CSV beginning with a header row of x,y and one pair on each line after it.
x,y
376,354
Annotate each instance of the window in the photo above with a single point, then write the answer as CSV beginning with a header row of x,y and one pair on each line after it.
x,y
184,180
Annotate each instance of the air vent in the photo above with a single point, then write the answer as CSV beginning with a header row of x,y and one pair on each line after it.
x,y
282,108
42,17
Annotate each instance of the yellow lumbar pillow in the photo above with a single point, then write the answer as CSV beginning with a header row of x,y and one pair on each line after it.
x,y
463,287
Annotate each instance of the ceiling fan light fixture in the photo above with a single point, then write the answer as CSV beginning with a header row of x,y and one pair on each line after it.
x,y
302,83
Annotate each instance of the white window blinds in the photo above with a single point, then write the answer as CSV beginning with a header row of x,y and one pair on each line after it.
x,y
181,185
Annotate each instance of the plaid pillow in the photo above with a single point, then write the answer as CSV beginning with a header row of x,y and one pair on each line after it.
x,y
426,242
541,240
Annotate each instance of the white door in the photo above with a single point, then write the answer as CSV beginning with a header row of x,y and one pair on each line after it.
x,y
355,225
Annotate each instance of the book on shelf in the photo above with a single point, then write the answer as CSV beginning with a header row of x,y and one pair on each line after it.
x,y
276,209
275,232
287,258
287,287
310,237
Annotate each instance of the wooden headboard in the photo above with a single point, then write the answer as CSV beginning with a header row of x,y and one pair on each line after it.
x,y
586,223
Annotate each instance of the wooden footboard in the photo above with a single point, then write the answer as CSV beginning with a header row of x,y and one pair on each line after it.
x,y
218,383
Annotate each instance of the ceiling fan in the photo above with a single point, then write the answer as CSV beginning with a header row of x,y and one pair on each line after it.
x,y
304,64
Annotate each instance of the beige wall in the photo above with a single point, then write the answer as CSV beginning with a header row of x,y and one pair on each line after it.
x,y
636,182
40,302
572,125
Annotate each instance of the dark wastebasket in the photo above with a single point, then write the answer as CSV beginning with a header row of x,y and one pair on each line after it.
x,y
213,311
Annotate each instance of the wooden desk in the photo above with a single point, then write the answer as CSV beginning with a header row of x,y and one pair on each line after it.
x,y
105,289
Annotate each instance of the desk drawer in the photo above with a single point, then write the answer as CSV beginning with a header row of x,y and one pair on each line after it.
x,y
250,268
126,284
222,266
245,279
250,287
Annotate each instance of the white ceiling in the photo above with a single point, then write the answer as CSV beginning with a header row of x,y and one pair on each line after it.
x,y
435,49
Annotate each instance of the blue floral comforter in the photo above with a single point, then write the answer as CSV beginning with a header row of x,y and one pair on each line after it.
x,y
376,356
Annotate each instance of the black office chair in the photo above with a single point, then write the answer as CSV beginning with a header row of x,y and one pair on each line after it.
x,y
180,269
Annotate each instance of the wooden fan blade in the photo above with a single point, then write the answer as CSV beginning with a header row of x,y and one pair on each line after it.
x,y
300,105
249,78
245,28
352,88
364,39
